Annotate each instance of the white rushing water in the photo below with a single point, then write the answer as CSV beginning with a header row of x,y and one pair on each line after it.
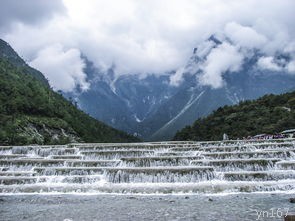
x,y
150,168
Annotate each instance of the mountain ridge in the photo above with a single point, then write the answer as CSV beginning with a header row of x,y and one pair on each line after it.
x,y
154,107
147,106
31,112
7,52
269,114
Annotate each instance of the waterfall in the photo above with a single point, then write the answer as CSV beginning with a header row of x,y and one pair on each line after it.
x,y
152,167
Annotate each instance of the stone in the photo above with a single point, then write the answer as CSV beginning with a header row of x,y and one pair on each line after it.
x,y
292,200
290,218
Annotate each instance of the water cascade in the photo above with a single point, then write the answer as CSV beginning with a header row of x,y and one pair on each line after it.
x,y
149,168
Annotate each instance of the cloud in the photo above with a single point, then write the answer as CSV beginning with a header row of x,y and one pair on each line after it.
x,y
149,37
244,36
177,78
239,42
63,68
28,11
269,64
291,67
224,58
272,64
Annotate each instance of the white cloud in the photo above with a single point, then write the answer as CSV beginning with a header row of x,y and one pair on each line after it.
x,y
28,11
63,68
177,78
244,36
291,67
220,60
142,37
268,63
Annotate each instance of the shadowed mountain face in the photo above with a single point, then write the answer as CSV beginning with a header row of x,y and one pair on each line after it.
x,y
154,109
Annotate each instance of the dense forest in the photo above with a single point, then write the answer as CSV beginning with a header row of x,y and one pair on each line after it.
x,y
31,112
269,114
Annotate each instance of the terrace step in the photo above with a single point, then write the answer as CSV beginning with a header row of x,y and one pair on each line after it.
x,y
211,187
9,180
191,148
17,173
125,147
66,157
159,174
154,161
31,162
175,153
115,154
254,164
259,175
55,171
93,163
12,156
283,154
154,167
246,148
287,165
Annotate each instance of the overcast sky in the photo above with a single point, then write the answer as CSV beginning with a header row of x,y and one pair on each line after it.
x,y
147,36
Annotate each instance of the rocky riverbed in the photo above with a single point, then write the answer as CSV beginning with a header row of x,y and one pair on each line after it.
x,y
235,207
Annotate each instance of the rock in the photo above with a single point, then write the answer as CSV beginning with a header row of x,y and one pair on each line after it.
x,y
172,201
186,197
292,200
210,199
290,218
131,197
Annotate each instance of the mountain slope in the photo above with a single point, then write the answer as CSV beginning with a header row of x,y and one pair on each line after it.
x,y
122,102
155,110
269,114
239,86
30,112
7,53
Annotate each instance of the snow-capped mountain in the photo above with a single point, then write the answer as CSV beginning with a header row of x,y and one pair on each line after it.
x,y
155,107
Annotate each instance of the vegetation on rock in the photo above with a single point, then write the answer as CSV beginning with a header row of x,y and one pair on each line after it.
x,y
269,114
31,112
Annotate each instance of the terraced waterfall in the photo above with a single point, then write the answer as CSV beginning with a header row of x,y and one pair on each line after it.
x,y
150,168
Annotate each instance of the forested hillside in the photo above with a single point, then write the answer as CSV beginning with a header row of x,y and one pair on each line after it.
x,y
269,114
30,112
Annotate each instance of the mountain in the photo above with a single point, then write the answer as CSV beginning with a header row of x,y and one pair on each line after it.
x,y
122,102
154,109
270,114
31,112
7,52
201,101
